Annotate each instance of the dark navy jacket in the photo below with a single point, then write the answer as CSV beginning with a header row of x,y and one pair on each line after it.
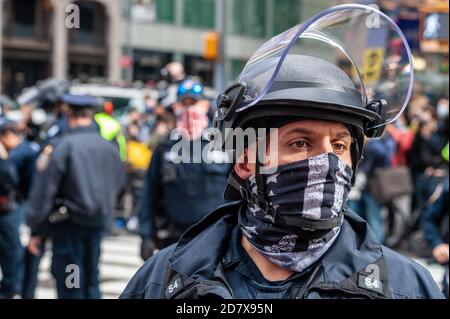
x,y
436,216
185,192
378,153
24,157
84,173
9,180
194,267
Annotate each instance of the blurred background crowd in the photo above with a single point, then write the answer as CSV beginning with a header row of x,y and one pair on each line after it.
x,y
142,59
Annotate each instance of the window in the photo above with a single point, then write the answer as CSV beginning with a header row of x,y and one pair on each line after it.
x,y
236,68
92,25
286,15
199,13
249,18
199,67
165,10
26,19
148,64
149,11
23,18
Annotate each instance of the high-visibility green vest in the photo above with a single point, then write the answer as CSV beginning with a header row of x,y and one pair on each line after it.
x,y
111,129
445,152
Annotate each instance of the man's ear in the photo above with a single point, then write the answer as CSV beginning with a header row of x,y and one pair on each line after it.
x,y
244,168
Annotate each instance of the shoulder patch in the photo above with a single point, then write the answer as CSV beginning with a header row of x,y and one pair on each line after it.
x,y
44,158
369,279
175,286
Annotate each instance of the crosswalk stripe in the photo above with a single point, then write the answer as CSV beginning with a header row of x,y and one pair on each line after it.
x,y
119,261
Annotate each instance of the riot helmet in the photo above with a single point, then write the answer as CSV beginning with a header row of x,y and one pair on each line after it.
x,y
350,64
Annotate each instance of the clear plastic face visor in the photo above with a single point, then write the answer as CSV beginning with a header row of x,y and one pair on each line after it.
x,y
360,39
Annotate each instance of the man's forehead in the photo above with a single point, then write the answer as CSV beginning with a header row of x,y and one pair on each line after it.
x,y
314,127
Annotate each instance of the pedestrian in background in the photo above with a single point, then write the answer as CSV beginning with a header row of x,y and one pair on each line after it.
x,y
435,225
425,159
377,154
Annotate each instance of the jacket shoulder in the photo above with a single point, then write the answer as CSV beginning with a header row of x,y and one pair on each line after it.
x,y
148,281
408,279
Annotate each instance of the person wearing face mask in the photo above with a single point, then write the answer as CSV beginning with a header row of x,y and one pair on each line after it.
x,y
181,193
425,159
442,109
289,232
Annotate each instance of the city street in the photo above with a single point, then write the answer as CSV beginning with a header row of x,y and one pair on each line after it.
x,y
272,118
120,260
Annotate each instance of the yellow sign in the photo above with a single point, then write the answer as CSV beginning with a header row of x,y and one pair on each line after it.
x,y
373,64
211,46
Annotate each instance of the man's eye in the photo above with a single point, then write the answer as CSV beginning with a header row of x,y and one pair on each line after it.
x,y
299,144
339,148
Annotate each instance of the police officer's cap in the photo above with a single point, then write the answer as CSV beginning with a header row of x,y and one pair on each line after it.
x,y
7,126
78,102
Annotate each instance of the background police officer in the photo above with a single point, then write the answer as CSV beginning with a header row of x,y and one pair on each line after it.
x,y
22,154
9,224
83,176
182,192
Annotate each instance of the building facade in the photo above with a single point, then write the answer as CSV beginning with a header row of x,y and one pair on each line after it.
x,y
163,30
123,39
50,38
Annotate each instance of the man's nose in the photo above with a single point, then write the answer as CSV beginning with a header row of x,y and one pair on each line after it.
x,y
323,146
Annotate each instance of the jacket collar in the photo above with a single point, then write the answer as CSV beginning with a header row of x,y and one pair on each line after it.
x,y
80,129
348,262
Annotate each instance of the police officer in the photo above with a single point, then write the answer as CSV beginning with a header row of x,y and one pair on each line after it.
x,y
33,258
73,198
54,129
110,128
22,154
9,225
182,191
290,233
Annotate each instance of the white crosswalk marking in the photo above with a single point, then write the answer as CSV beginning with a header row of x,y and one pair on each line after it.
x,y
119,262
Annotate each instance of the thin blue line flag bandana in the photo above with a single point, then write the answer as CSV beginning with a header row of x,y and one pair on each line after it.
x,y
313,189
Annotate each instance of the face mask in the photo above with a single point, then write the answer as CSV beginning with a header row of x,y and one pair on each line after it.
x,y
311,191
442,110
400,125
192,120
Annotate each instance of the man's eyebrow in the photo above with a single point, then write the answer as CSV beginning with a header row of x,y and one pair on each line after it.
x,y
343,135
301,131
